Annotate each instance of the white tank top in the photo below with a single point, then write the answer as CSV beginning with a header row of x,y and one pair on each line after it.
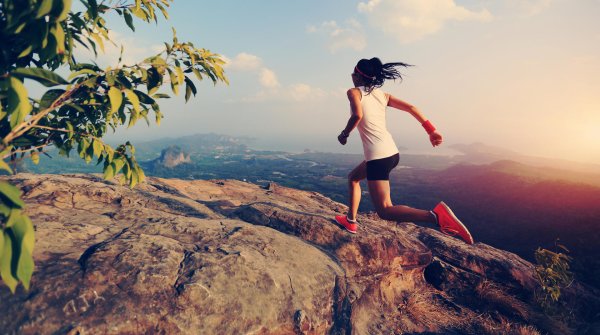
x,y
376,139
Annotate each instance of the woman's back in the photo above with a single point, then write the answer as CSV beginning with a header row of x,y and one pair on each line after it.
x,y
377,140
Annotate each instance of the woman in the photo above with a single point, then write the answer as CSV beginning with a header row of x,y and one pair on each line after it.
x,y
368,106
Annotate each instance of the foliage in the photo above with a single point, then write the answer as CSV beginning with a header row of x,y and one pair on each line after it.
x,y
553,274
38,38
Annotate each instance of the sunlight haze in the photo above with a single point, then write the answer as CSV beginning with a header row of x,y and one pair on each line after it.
x,y
522,75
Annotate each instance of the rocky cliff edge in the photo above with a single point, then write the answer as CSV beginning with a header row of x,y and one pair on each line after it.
x,y
228,257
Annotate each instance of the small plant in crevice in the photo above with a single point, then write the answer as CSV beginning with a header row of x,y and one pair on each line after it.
x,y
552,271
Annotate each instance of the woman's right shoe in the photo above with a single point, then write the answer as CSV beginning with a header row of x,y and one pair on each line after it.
x,y
450,224
343,221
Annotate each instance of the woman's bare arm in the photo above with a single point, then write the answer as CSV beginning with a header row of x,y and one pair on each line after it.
x,y
354,96
434,137
405,106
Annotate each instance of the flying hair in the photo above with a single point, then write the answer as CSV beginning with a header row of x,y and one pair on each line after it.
x,y
374,73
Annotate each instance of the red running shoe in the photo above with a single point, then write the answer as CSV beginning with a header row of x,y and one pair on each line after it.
x,y
343,220
450,224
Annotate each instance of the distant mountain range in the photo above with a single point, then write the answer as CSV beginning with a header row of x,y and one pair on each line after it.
x,y
479,153
508,200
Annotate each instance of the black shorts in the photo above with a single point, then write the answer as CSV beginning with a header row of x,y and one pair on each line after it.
x,y
379,169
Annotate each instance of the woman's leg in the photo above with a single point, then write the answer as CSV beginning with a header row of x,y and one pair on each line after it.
x,y
380,195
354,177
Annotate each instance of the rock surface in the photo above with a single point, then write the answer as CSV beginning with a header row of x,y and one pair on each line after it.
x,y
228,257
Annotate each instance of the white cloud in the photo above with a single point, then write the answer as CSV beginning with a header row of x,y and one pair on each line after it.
x,y
302,92
411,20
349,36
268,78
243,62
271,89
299,92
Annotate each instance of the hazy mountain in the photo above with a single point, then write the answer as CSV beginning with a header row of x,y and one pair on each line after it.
x,y
479,153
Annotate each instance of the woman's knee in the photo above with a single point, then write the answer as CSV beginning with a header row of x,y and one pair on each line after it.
x,y
353,178
383,213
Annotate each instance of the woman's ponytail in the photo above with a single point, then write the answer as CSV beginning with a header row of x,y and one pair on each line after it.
x,y
374,72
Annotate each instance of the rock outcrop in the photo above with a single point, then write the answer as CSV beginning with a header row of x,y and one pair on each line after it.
x,y
171,157
229,257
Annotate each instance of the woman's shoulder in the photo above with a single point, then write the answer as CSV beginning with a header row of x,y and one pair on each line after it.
x,y
354,92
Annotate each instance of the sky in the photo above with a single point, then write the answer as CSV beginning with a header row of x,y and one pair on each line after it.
x,y
518,74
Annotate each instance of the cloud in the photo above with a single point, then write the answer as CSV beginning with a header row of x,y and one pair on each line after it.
x,y
268,78
299,92
349,36
243,62
271,89
302,92
411,20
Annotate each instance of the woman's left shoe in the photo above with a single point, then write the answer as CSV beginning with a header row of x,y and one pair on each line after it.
x,y
450,224
343,221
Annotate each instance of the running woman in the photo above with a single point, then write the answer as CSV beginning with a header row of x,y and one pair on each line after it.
x,y
368,107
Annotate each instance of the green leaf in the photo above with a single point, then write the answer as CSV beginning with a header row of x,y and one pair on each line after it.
x,y
11,193
109,171
119,163
50,97
116,99
144,98
154,80
35,157
128,20
80,72
59,36
93,8
44,9
25,240
18,102
140,13
189,88
174,82
66,7
133,180
180,75
97,147
43,76
141,174
82,147
4,166
188,92
4,210
197,73
2,207
163,10
6,263
133,99
98,39
25,51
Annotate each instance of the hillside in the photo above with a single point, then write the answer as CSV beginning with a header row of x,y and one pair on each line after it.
x,y
230,257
